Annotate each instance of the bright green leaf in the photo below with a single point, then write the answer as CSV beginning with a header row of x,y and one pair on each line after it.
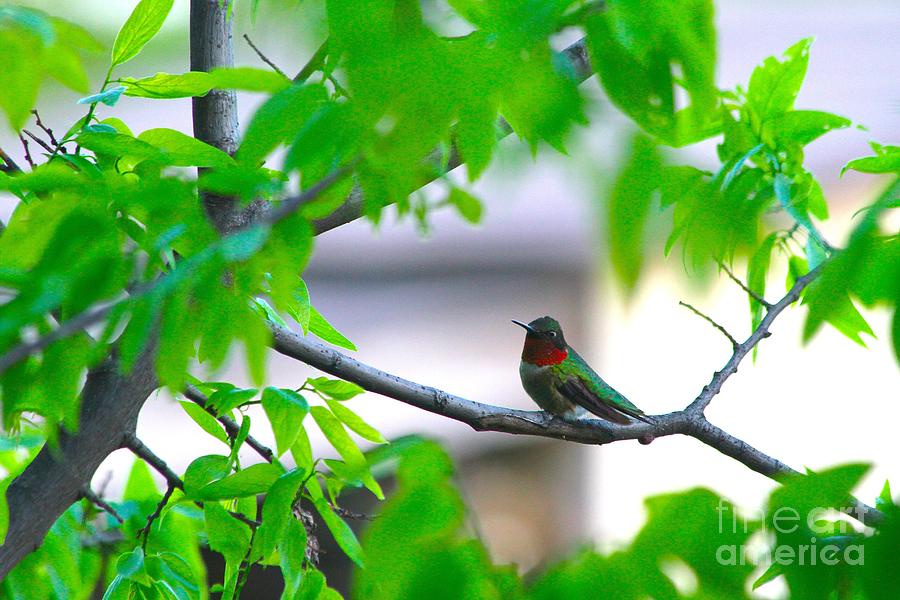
x,y
355,422
185,151
628,207
774,84
335,388
205,420
321,328
277,510
285,409
469,207
144,22
253,480
227,536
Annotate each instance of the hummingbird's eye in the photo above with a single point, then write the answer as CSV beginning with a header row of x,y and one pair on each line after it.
x,y
551,333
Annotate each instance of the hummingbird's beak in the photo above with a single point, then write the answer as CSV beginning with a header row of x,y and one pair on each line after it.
x,y
528,328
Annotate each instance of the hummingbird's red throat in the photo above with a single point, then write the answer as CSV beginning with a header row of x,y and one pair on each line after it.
x,y
542,353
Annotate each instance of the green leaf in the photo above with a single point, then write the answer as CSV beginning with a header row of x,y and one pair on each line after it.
x,y
801,126
886,160
167,85
335,388
144,22
885,499
355,422
185,151
301,451
243,244
838,310
20,78
130,566
636,45
476,135
277,510
299,583
321,328
416,546
109,97
342,533
117,144
205,420
774,570
792,205
628,207
251,481
757,270
469,207
4,509
774,84
278,120
285,410
269,313
300,311
250,79
199,83
140,485
204,470
227,536
339,438
239,439
830,488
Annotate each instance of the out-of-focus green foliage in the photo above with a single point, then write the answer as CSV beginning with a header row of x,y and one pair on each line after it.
x,y
718,217
35,46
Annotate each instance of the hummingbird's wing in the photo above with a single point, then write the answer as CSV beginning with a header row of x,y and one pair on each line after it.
x,y
581,384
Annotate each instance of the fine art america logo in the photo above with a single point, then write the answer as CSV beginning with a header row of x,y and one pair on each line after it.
x,y
829,541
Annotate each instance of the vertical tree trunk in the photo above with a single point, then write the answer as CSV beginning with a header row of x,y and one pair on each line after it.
x,y
111,401
215,114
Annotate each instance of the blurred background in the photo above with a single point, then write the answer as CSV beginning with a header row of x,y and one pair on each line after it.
x,y
435,308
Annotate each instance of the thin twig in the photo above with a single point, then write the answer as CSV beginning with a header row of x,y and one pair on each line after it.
x,y
139,449
315,63
9,165
88,494
761,332
708,319
28,158
40,142
144,532
230,425
46,130
744,287
263,57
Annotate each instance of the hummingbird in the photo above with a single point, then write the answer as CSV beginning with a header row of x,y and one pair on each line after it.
x,y
560,381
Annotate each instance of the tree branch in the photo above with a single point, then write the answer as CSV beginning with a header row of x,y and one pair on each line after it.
x,y
94,498
230,425
215,114
708,319
486,417
761,332
139,449
110,405
110,399
263,57
744,287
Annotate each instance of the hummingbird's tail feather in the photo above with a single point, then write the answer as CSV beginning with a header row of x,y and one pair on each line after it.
x,y
645,418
